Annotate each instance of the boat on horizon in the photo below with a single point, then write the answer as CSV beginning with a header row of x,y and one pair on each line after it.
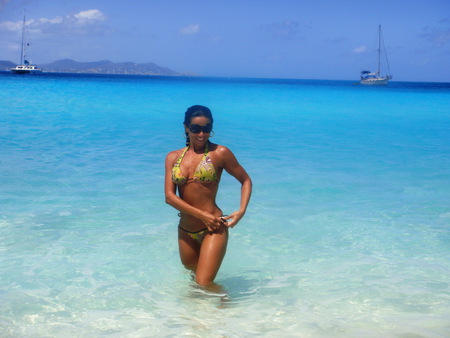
x,y
25,67
376,78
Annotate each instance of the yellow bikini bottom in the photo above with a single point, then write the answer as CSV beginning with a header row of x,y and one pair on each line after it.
x,y
197,235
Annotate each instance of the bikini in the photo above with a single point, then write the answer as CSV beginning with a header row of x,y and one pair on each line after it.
x,y
204,173
197,236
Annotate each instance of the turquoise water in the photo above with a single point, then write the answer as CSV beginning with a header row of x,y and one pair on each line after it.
x,y
347,233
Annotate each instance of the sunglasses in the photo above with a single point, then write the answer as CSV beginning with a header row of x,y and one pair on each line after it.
x,y
195,128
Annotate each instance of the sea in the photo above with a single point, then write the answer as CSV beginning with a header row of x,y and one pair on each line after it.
x,y
347,233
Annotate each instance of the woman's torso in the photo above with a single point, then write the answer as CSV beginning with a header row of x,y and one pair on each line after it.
x,y
194,169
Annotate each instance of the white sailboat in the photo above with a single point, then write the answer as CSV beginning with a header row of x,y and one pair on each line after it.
x,y
25,67
376,78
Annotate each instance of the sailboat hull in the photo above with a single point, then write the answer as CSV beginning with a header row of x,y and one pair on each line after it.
x,y
26,70
380,81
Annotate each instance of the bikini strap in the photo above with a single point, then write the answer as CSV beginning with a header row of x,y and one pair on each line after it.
x,y
178,162
206,150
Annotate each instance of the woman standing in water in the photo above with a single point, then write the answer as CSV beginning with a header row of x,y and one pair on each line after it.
x,y
195,172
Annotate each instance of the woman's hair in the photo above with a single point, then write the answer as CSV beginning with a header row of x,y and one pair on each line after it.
x,y
196,111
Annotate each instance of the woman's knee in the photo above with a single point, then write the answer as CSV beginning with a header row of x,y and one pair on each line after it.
x,y
203,281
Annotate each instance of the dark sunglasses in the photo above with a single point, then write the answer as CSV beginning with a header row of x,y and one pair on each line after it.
x,y
195,128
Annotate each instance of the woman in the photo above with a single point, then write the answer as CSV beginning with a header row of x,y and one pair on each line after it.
x,y
195,172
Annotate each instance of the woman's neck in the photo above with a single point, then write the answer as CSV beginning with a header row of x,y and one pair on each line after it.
x,y
199,149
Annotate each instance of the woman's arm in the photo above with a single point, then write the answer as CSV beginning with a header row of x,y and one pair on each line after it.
x,y
232,166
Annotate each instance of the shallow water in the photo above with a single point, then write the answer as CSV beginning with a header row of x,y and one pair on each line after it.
x,y
347,233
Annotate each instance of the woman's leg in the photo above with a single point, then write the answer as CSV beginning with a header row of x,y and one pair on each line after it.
x,y
212,252
189,250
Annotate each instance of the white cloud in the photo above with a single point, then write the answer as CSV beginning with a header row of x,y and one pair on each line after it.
x,y
11,26
53,21
89,17
84,22
190,29
360,49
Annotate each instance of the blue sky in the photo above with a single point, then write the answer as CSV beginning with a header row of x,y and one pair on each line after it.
x,y
304,39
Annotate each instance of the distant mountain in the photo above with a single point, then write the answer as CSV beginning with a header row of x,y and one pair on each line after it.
x,y
6,65
100,67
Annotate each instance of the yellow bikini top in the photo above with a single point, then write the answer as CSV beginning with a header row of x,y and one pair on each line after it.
x,y
204,172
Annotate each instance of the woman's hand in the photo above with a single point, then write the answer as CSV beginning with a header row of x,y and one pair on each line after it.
x,y
235,217
212,222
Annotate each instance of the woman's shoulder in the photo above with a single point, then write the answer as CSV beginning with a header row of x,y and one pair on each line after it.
x,y
174,154
218,148
221,151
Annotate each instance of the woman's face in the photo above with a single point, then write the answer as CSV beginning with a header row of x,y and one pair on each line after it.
x,y
198,139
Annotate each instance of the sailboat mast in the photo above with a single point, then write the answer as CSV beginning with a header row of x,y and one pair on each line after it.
x,y
379,48
385,56
22,53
